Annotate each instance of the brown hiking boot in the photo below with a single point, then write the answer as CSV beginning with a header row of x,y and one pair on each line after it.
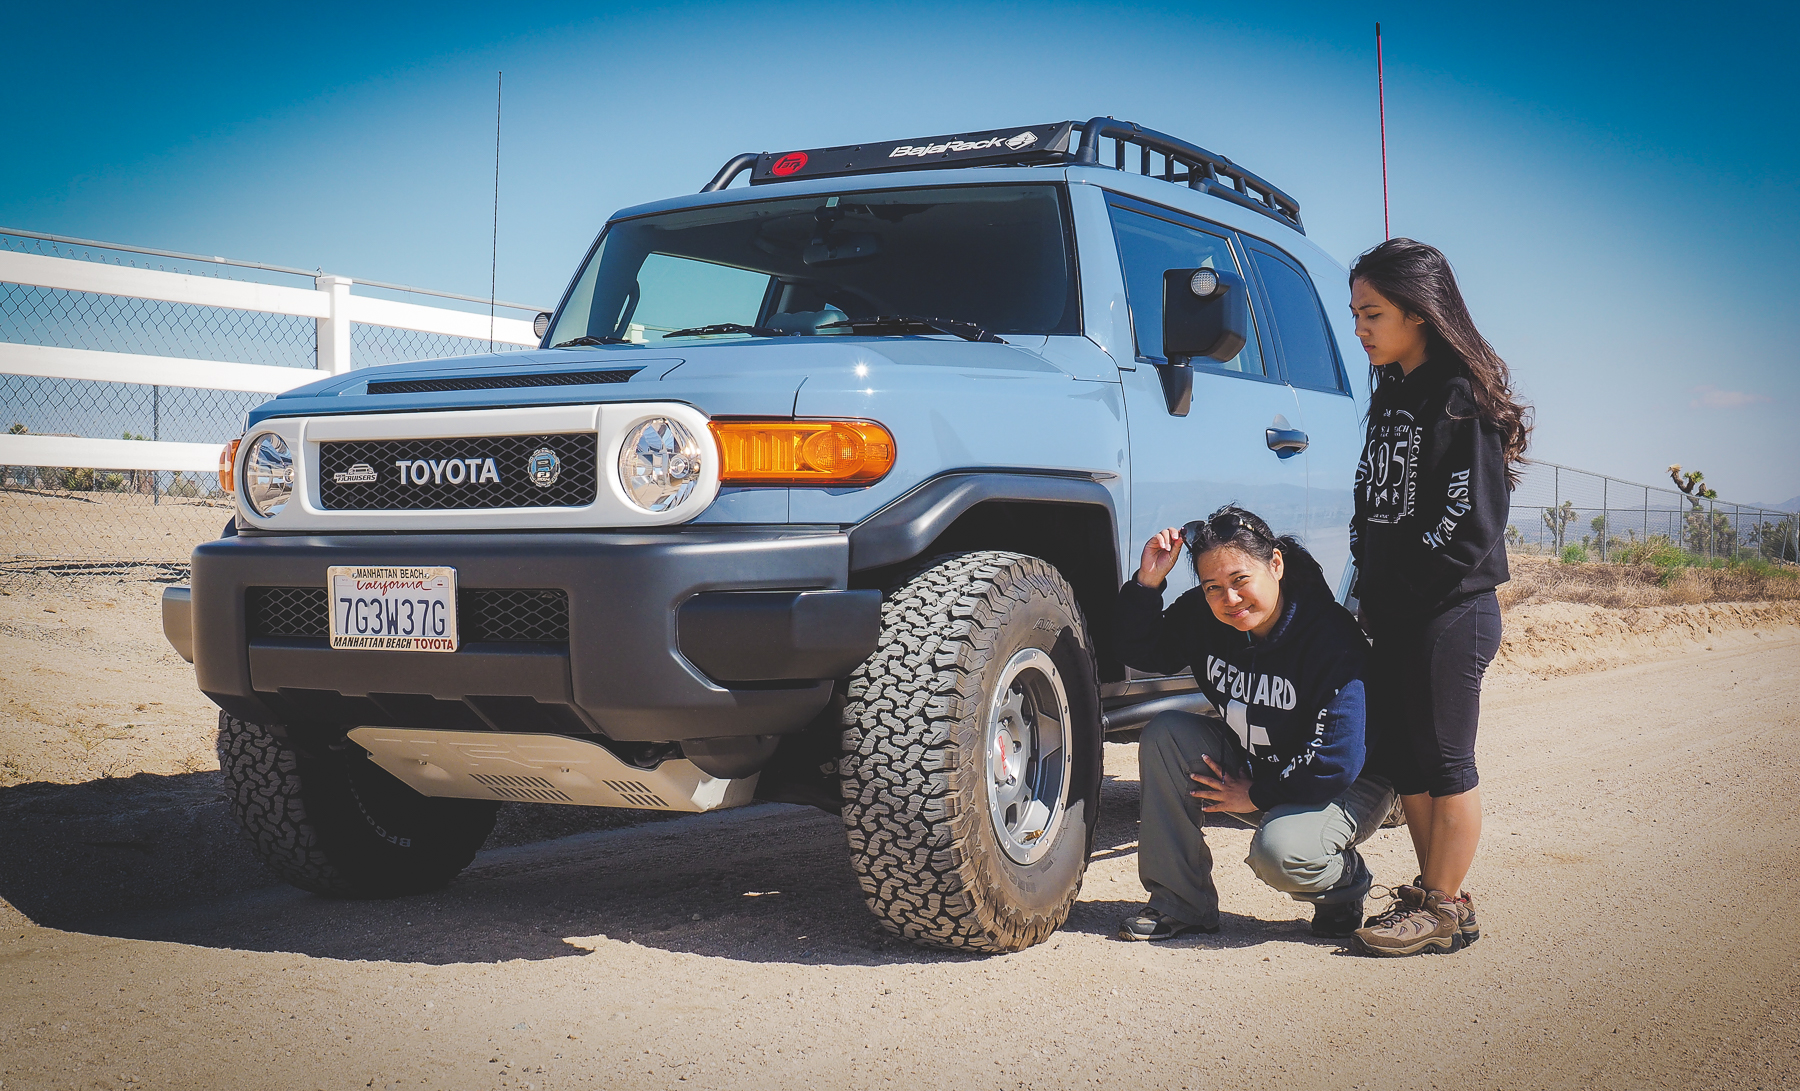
x,y
1419,922
1465,914
1466,925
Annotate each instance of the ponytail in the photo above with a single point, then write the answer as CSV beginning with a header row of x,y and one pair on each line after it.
x,y
1301,575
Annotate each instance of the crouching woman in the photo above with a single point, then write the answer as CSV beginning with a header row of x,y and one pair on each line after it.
x,y
1282,661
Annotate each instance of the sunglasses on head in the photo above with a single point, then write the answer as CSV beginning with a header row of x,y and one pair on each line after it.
x,y
1220,528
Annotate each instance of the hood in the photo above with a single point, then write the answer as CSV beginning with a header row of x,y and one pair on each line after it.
x,y
759,378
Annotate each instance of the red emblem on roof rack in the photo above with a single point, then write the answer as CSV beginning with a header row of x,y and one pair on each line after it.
x,y
788,164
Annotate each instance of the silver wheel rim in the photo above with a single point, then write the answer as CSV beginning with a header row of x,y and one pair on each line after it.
x,y
1026,756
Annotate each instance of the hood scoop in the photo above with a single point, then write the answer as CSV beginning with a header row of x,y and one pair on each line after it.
x,y
499,382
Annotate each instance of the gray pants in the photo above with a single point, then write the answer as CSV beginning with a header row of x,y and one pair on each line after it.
x,y
1307,851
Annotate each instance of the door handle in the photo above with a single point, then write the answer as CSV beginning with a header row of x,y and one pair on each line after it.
x,y
1285,442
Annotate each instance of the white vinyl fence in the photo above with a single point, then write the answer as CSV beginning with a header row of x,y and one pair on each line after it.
x,y
124,369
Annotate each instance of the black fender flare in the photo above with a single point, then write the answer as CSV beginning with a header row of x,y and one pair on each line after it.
x,y
906,526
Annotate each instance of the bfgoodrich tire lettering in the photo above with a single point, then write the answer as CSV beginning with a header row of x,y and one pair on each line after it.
x,y
923,842
331,821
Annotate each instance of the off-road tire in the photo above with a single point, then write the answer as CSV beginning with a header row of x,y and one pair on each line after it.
x,y
913,773
325,818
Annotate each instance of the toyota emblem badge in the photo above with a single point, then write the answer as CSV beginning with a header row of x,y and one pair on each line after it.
x,y
544,467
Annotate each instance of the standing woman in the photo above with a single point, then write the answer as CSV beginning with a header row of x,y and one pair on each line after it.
x,y
1432,493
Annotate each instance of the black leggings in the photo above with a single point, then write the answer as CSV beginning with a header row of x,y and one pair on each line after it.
x,y
1425,696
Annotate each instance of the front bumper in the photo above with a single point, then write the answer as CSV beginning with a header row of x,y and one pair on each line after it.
x,y
671,636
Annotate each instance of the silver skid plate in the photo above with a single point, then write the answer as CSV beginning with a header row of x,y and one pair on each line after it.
x,y
543,769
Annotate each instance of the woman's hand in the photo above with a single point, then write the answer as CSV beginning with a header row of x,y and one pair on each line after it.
x,y
1229,792
1160,554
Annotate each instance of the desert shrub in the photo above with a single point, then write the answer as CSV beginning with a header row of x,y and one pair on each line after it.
x,y
1574,554
1658,550
77,479
1684,579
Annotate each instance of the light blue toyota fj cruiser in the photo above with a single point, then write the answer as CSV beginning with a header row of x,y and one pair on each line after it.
x,y
817,490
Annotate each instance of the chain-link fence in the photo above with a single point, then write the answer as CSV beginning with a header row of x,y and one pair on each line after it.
x,y
52,517
1577,515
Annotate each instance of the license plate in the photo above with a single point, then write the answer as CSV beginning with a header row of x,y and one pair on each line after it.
x,y
393,609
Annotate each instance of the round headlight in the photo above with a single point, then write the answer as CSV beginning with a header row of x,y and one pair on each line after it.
x,y
659,464
1204,282
268,474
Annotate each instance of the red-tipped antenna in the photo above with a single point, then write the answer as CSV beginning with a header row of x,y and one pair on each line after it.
x,y
1381,97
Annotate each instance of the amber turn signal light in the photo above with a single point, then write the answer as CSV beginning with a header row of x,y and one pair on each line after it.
x,y
227,460
802,452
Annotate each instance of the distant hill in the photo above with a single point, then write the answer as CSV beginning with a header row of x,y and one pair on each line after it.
x,y
1791,505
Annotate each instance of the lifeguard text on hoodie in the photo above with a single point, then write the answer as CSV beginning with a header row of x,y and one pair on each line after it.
x,y
1431,496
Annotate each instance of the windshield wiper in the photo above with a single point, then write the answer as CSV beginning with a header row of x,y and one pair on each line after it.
x,y
579,341
728,327
912,323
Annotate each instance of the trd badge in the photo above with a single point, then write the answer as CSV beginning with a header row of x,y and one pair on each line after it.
x,y
544,467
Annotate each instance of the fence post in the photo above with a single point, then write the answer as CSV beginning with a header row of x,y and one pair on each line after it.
x,y
334,331
155,434
1556,508
1605,526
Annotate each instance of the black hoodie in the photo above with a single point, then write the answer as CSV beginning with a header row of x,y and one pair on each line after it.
x,y
1431,496
1295,699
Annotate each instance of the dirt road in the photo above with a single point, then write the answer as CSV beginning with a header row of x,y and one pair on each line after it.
x,y
1636,888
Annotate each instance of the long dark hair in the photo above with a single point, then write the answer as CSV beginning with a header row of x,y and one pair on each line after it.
x,y
1418,279
1245,531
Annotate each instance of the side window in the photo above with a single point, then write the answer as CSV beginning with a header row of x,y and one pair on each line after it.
x,y
1306,348
1148,245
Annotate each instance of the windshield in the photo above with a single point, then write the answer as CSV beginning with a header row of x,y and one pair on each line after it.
x,y
997,257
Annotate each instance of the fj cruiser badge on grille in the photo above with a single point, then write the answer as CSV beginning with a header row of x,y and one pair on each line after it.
x,y
544,467
360,474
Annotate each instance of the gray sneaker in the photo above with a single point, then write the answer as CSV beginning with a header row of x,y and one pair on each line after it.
x,y
1153,924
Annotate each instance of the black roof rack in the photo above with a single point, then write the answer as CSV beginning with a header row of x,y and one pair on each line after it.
x,y
1182,163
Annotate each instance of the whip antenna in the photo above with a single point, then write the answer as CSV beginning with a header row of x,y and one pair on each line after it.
x,y
494,255
1380,97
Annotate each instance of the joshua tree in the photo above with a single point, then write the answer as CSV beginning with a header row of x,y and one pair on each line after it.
x,y
1692,484
1558,520
1707,532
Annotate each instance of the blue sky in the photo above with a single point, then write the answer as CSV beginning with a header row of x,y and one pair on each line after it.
x,y
1617,185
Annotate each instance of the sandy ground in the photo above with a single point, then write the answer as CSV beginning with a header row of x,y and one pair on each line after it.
x,y
87,525
1633,884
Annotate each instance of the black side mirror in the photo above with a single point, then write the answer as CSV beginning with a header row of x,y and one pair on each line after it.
x,y
1206,312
